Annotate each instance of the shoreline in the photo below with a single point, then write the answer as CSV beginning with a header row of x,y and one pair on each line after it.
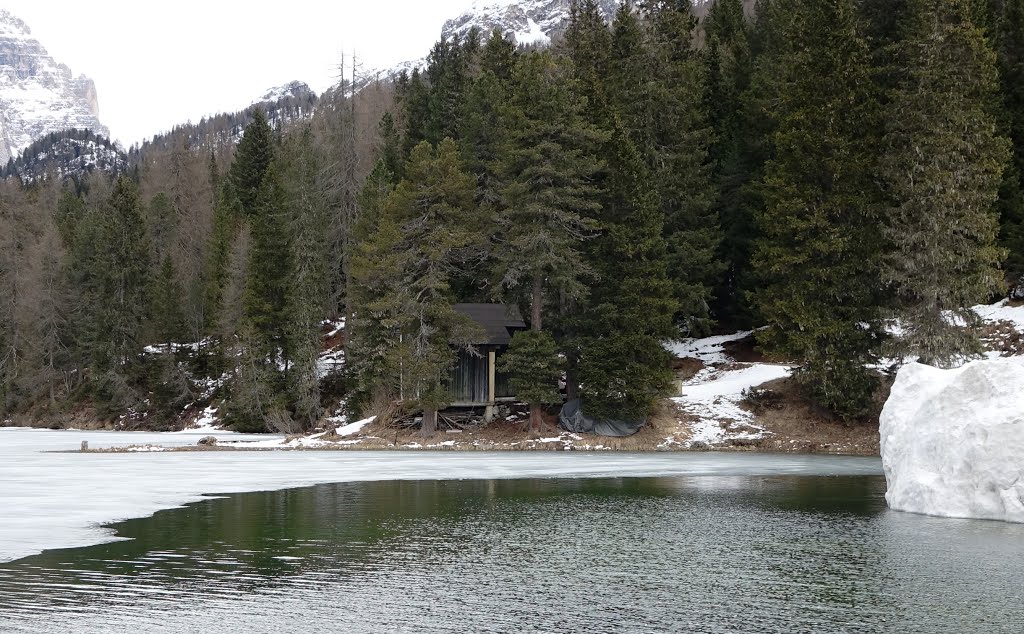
x,y
565,443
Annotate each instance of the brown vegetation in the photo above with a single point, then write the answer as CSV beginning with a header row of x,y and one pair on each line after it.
x,y
800,426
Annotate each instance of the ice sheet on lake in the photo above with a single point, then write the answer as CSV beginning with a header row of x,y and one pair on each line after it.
x,y
953,440
62,500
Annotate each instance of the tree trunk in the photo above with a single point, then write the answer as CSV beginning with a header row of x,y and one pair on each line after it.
x,y
536,421
429,423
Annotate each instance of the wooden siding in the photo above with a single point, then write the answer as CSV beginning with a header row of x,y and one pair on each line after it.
x,y
467,384
468,380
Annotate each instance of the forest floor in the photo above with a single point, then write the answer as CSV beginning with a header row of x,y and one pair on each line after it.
x,y
729,398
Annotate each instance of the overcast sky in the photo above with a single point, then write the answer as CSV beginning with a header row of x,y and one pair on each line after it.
x,y
160,63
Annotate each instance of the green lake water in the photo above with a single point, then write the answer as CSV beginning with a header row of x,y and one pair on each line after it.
x,y
679,554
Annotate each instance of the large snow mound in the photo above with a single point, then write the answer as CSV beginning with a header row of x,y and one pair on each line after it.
x,y
953,441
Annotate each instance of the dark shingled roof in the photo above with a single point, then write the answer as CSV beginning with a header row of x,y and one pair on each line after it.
x,y
498,322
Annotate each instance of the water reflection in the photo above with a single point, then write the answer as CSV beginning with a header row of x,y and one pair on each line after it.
x,y
716,554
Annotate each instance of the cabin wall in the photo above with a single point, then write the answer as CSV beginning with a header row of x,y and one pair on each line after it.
x,y
467,383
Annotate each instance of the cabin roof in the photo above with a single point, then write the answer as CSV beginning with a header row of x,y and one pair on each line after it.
x,y
497,321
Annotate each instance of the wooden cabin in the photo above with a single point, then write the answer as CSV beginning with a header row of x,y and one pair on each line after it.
x,y
475,381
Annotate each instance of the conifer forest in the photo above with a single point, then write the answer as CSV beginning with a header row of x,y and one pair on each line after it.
x,y
823,171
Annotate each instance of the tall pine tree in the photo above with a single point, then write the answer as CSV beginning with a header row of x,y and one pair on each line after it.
x,y
546,210
1009,43
819,251
943,165
618,335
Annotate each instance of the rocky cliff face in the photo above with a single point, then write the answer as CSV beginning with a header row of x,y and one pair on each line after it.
x,y
38,95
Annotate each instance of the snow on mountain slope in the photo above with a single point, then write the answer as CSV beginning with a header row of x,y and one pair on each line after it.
x,y
38,95
292,90
528,21
525,21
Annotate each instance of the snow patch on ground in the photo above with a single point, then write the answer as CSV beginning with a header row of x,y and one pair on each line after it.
x,y
709,349
354,428
710,401
953,440
1002,311
207,422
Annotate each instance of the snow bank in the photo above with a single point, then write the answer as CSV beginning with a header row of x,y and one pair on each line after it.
x,y
953,440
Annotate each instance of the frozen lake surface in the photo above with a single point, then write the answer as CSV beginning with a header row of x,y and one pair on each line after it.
x,y
50,499
680,553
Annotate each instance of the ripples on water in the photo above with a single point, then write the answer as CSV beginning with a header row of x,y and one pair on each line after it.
x,y
712,554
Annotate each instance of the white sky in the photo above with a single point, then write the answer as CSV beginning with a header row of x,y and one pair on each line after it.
x,y
157,63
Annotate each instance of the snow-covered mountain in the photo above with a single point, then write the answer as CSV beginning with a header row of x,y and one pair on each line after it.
x,y
527,21
297,90
66,154
37,94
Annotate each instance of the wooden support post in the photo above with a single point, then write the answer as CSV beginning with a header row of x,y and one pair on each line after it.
x,y
491,396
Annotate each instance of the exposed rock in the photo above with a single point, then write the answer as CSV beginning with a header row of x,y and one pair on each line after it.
x,y
37,94
207,441
1017,291
298,90
525,21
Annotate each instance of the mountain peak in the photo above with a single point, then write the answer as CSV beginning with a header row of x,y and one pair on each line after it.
x,y
525,21
293,89
37,94
12,25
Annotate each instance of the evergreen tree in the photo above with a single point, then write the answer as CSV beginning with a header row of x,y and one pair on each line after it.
x,y
587,46
309,280
484,127
166,317
374,351
433,208
414,97
111,269
162,225
227,217
547,203
1009,42
448,79
534,367
819,251
257,396
252,160
623,366
943,166
390,144
676,147
268,283
125,271
729,59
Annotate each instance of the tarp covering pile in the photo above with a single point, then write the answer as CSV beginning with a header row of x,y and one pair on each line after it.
x,y
572,419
